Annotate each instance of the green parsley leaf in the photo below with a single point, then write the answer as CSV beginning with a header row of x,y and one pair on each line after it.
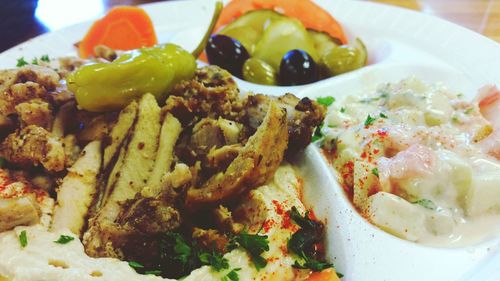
x,y
232,275
23,239
64,239
302,221
369,120
45,58
181,248
312,264
135,265
21,62
326,101
254,244
34,61
426,203
153,272
375,171
304,239
342,109
469,110
215,260
382,115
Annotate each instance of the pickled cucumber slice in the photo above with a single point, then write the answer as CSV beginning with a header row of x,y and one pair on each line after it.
x,y
280,37
323,42
249,27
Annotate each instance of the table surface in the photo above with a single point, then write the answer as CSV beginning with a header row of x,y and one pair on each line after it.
x,y
25,19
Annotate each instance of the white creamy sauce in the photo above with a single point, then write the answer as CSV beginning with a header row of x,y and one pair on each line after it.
x,y
42,259
409,153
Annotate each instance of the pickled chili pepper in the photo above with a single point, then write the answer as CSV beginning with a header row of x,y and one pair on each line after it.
x,y
109,86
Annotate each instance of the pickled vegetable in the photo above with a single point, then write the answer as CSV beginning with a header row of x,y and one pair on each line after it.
x,y
323,42
343,59
249,28
297,68
227,53
280,37
259,72
111,86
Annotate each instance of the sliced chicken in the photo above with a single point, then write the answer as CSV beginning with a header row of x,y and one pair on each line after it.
x,y
18,211
77,190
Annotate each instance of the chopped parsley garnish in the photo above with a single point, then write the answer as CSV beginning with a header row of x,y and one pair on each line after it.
x,y
34,61
21,62
375,171
369,120
382,95
254,244
153,272
64,239
45,58
135,265
342,109
183,256
317,133
426,203
382,115
326,101
215,260
312,264
23,239
469,110
302,243
232,275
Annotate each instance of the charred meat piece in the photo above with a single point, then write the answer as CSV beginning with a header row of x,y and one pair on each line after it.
x,y
212,93
35,112
24,84
32,146
254,165
303,116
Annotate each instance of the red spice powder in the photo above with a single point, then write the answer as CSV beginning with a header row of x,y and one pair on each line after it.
x,y
278,207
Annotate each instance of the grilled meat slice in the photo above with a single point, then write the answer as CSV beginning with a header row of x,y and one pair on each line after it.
x,y
254,165
135,164
77,190
170,131
303,116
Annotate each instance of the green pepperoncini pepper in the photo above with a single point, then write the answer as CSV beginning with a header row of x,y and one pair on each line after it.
x,y
110,86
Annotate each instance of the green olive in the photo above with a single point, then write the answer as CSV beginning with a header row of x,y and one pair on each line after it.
x,y
259,72
342,59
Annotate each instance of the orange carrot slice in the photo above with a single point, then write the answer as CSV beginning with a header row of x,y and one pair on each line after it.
x,y
309,13
122,28
325,275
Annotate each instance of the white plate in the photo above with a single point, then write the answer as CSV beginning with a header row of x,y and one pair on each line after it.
x,y
400,43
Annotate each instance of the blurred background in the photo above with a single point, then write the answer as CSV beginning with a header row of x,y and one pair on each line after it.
x,y
24,19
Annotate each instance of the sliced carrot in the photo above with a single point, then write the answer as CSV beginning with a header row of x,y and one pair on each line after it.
x,y
122,28
308,12
325,275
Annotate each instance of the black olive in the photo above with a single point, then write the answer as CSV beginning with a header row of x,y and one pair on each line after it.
x,y
227,53
297,68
